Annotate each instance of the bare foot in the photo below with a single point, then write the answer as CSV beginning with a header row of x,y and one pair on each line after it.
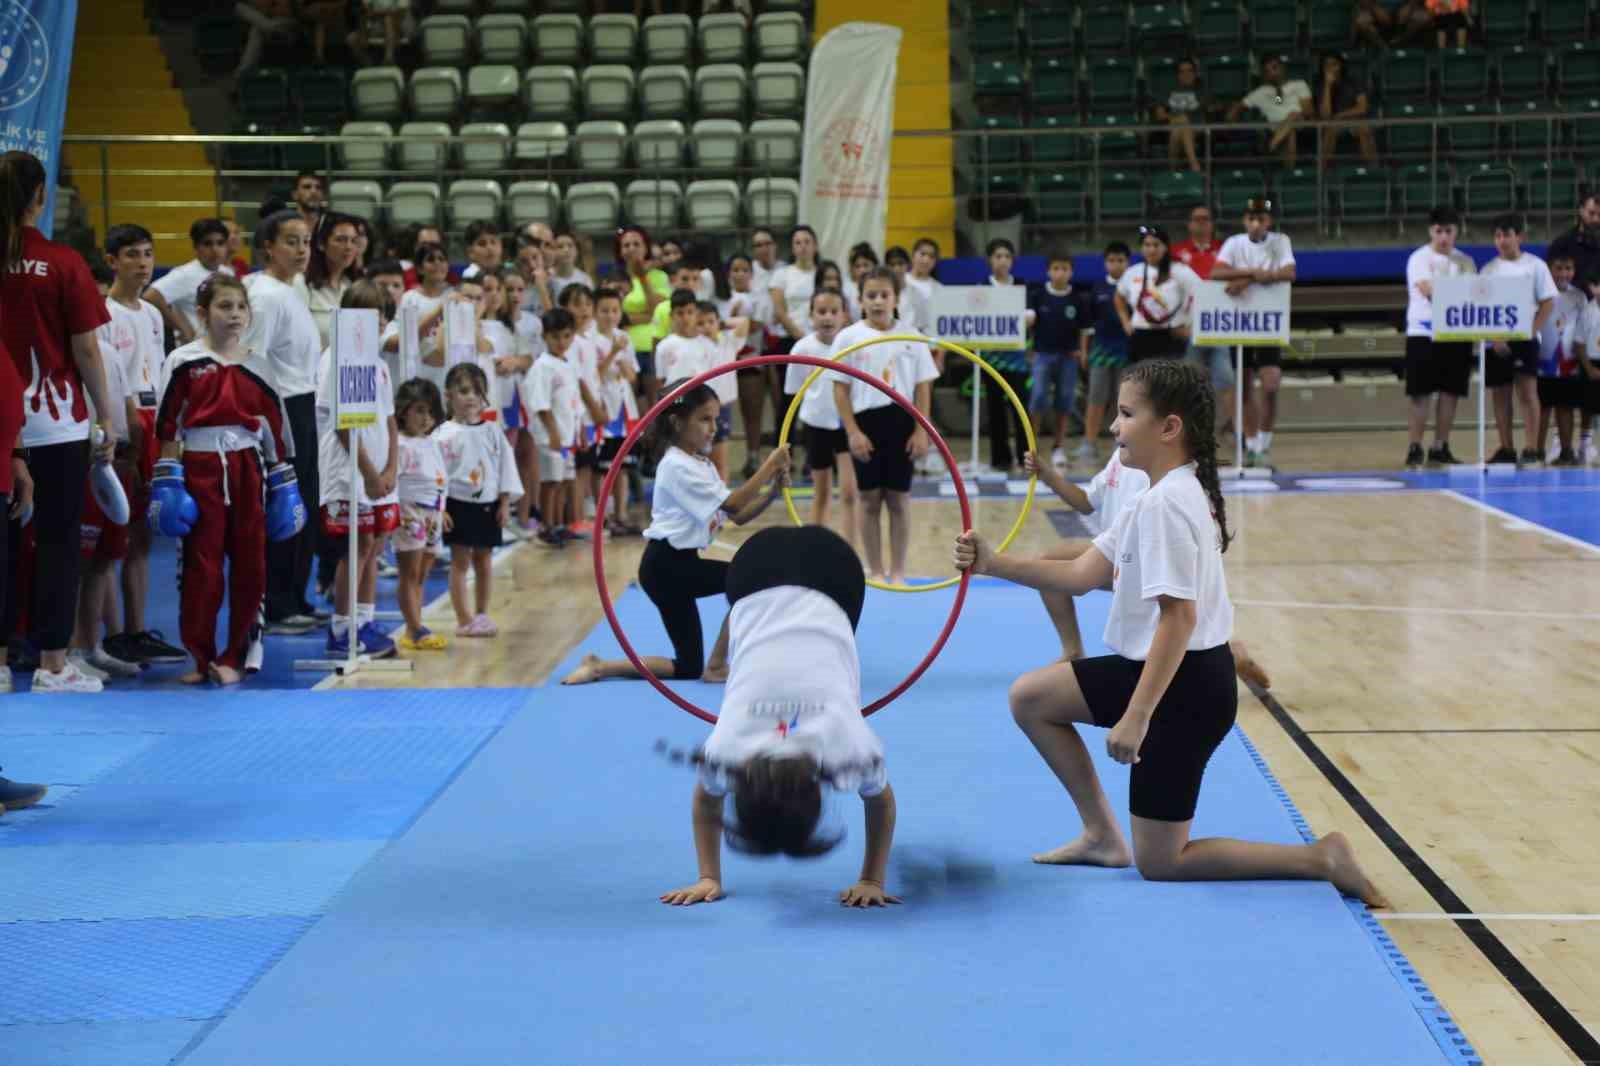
x,y
193,677
897,579
1086,852
588,670
879,578
1245,665
1346,873
224,675
715,675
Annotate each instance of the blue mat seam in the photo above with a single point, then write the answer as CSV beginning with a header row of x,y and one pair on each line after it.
x,y
1446,1033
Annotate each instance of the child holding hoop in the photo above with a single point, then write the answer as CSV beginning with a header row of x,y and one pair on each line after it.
x,y
791,717
884,439
1167,692
689,506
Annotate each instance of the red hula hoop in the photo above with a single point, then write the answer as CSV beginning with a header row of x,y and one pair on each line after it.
x,y
644,423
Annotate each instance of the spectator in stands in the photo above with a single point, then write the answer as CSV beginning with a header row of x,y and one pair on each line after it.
x,y
173,293
791,288
310,196
1373,24
324,18
1005,425
1339,98
1199,254
1582,242
265,18
385,20
648,288
1184,105
764,257
565,270
1434,368
236,260
1258,256
330,272
1281,102
1450,15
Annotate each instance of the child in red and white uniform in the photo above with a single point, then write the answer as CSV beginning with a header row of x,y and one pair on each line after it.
x,y
221,413
482,483
422,484
378,507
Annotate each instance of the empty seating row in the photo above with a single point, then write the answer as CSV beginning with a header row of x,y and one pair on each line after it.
x,y
597,145
456,40
720,90
710,205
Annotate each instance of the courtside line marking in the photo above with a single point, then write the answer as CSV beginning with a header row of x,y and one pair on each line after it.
x,y
1393,609
1433,916
1565,538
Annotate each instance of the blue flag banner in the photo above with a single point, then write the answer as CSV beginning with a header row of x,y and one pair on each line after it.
x,y
35,63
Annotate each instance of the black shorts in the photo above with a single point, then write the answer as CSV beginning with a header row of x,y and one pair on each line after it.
x,y
1434,367
472,525
585,458
822,445
1591,398
889,469
1190,721
1521,361
1257,358
608,451
810,557
1561,392
1155,344
1452,20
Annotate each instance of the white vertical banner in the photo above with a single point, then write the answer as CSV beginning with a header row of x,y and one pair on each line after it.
x,y
844,170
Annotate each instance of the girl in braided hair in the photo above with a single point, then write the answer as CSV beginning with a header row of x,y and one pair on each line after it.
x,y
1167,691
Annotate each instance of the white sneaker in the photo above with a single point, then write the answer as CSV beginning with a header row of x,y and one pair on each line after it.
x,y
80,659
5,679
1058,457
1086,450
70,679
103,660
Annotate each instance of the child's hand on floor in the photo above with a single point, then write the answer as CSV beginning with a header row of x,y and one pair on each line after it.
x,y
704,890
866,894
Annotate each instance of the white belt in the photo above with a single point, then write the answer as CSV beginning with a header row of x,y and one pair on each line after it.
x,y
220,439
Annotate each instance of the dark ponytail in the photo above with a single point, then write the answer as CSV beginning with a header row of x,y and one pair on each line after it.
x,y
664,433
1183,389
21,177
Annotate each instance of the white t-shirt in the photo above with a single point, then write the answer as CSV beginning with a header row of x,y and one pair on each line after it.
x,y
796,286
478,462
1278,104
322,302
553,386
423,477
585,354
915,309
686,508
1165,543
794,689
1159,306
725,349
1586,331
1272,252
1426,264
333,462
281,327
615,392
1111,489
761,277
502,343
679,358
530,333
1525,265
559,282
428,343
818,408
756,305
133,339
901,365
117,390
180,285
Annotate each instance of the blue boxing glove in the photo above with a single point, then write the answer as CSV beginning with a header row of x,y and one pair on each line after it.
x,y
172,511
286,512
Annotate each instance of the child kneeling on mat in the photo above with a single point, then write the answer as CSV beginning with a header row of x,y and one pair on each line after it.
x,y
689,505
1167,692
791,718
219,412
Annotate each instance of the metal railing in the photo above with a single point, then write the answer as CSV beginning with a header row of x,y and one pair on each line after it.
x,y
1050,179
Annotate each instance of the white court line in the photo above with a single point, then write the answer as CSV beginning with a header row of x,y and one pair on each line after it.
x,y
1565,538
1434,916
1493,612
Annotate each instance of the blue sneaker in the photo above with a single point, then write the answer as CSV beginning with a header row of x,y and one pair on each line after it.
x,y
374,641
340,645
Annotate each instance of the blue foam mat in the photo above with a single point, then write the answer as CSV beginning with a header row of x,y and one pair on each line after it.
x,y
516,921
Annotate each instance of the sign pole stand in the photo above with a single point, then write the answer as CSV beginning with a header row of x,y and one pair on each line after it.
x,y
1483,391
975,466
1238,410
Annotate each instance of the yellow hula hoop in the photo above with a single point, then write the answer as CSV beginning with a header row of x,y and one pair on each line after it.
x,y
1027,428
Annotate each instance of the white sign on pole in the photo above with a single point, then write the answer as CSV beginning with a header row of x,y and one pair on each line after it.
x,y
1256,318
981,316
356,362
410,342
1477,307
460,332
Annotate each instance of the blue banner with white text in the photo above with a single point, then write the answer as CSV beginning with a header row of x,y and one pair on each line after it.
x,y
35,63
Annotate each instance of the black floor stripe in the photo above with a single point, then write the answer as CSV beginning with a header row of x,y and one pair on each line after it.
x,y
1579,1040
1386,732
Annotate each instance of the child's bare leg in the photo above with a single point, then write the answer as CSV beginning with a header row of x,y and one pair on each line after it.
x,y
136,576
1164,852
1500,400
871,532
91,604
1062,607
716,671
619,499
110,612
1527,389
1046,704
460,560
849,497
1094,415
899,504
574,507
549,495
1563,426
580,493
527,457
410,582
821,495
594,668
483,573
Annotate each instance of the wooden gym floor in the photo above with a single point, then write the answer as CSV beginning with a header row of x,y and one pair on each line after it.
x,y
1434,675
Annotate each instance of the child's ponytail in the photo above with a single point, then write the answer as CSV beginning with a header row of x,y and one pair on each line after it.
x,y
1183,389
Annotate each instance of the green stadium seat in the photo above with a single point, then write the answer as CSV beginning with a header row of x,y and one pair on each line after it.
x,y
1227,76
1233,188
1160,77
1585,129
1111,82
1490,188
1463,74
1523,72
997,151
1105,27
1121,195
1408,142
1006,183
1218,26
1177,190
1357,68
1419,188
1553,185
1061,199
1474,140
1116,142
251,156
1407,76
1274,27
1054,84
1578,67
1050,31
1296,194
1363,194
218,41
1328,24
994,35
1049,147
1160,29
263,94
1504,20
298,157
996,78
323,94
1565,20
1534,136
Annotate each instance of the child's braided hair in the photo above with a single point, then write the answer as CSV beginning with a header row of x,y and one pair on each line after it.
x,y
1183,389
